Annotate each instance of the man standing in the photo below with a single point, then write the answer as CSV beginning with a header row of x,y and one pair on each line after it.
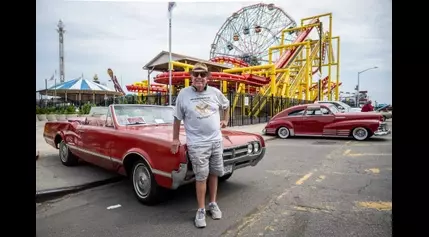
x,y
199,107
367,107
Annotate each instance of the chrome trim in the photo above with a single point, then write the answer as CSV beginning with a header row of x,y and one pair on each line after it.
x,y
155,171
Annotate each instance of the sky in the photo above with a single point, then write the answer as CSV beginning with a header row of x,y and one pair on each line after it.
x,y
125,35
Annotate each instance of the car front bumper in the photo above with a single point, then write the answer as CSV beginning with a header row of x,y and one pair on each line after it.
x,y
179,176
383,130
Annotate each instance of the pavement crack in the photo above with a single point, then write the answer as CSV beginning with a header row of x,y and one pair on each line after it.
x,y
364,187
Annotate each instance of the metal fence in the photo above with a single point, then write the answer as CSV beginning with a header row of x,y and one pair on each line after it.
x,y
245,109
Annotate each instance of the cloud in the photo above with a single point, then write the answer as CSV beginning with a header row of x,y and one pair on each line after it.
x,y
126,35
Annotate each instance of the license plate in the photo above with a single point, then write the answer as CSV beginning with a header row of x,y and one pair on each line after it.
x,y
227,169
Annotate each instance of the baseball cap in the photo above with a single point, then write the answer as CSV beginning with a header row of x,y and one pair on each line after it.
x,y
200,67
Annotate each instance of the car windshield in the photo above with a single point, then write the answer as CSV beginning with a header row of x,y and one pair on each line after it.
x,y
141,114
332,108
97,111
345,106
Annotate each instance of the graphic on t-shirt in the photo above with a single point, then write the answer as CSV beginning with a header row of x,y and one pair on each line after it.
x,y
204,109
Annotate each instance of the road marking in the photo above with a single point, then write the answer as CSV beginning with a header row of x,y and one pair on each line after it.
x,y
380,206
321,177
304,178
373,170
113,207
369,154
270,228
348,153
326,209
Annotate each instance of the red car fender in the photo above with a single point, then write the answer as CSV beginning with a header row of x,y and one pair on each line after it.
x,y
140,152
370,124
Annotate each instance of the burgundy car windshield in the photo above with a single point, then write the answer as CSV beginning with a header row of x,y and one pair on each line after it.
x,y
142,114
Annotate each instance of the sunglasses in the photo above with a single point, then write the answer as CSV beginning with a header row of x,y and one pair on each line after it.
x,y
202,74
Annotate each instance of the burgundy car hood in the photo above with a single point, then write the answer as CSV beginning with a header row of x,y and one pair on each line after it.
x,y
165,132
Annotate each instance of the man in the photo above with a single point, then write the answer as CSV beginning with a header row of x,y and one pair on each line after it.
x,y
199,107
367,107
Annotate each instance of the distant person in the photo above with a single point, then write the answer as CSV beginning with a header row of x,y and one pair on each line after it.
x,y
367,107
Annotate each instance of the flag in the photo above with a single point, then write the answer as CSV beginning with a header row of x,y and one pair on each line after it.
x,y
171,5
52,78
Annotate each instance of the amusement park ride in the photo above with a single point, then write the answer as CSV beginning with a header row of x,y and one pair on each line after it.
x,y
265,57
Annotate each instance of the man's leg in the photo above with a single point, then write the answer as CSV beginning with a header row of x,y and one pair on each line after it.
x,y
216,170
199,156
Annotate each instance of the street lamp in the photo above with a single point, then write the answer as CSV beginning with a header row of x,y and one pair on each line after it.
x,y
358,83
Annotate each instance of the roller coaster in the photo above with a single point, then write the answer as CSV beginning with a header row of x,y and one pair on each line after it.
x,y
286,68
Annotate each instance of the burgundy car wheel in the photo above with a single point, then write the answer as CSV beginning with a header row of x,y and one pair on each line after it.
x,y
360,133
283,132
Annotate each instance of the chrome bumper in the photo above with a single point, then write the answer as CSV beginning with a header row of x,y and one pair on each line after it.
x,y
382,133
383,130
179,176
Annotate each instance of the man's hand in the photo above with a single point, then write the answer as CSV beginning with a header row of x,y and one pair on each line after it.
x,y
175,146
223,123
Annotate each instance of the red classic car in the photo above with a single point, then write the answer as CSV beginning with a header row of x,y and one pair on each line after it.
x,y
325,120
135,141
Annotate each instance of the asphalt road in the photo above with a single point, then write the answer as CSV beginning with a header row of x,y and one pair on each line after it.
x,y
303,187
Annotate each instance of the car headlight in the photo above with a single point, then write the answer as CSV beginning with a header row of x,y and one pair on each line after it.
x,y
256,147
249,148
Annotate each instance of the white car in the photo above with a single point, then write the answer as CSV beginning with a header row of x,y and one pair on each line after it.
x,y
341,106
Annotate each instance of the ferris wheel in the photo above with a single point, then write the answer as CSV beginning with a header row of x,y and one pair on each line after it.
x,y
248,33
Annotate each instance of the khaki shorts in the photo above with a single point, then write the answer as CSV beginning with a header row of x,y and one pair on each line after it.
x,y
206,158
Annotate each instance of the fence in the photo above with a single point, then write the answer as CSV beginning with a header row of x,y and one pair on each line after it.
x,y
245,109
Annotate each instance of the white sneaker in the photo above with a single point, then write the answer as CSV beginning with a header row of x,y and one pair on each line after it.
x,y
215,211
200,218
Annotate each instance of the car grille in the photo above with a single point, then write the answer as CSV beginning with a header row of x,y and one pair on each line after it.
x,y
234,152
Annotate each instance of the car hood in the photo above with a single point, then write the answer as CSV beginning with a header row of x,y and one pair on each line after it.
x,y
360,115
165,132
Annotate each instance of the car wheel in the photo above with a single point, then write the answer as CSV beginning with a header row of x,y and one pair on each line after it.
x,y
283,132
67,158
360,133
144,184
225,177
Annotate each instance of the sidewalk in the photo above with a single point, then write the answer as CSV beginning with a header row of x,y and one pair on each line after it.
x,y
51,174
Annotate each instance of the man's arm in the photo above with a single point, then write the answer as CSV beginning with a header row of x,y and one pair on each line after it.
x,y
178,117
176,128
224,104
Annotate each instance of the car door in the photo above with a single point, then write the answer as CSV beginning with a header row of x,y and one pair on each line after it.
x,y
295,118
78,143
314,121
98,140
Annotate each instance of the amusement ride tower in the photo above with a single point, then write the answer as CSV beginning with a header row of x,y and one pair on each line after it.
x,y
61,32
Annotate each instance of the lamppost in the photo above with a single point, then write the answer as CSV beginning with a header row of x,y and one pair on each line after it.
x,y
358,84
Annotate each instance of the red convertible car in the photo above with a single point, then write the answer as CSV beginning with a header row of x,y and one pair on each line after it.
x,y
135,141
325,120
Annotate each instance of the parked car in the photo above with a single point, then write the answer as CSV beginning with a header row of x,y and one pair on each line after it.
x,y
135,141
325,120
385,112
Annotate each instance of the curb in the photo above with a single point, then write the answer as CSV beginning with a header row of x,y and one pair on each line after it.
x,y
49,194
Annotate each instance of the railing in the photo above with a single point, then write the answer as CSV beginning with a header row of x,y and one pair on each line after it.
x,y
242,115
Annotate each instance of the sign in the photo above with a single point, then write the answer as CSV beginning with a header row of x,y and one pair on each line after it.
x,y
246,101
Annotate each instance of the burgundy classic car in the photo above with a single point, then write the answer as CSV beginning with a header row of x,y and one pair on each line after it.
x,y
135,141
325,120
